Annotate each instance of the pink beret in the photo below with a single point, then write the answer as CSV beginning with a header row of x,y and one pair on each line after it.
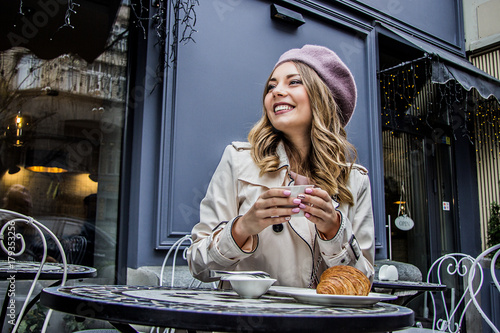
x,y
332,71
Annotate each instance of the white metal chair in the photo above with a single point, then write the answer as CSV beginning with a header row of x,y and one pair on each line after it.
x,y
194,283
476,267
468,271
175,249
447,313
12,238
450,266
75,246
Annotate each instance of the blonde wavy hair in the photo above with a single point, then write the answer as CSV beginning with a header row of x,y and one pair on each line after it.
x,y
331,156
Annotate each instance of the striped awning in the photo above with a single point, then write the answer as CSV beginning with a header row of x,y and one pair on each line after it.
x,y
447,66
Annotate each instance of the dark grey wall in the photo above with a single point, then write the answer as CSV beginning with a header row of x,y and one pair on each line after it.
x,y
218,87
440,19
218,91
212,96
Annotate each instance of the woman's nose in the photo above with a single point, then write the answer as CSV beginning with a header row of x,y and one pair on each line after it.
x,y
279,91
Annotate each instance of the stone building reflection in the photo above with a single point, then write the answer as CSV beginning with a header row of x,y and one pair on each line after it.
x,y
61,127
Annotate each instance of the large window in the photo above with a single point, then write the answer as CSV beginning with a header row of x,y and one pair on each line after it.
x,y
61,128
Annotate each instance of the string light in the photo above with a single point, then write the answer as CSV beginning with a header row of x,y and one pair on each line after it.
x,y
410,101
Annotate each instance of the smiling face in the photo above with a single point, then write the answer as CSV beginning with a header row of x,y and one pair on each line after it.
x,y
287,102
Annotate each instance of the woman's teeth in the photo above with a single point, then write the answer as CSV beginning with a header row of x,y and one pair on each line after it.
x,y
282,107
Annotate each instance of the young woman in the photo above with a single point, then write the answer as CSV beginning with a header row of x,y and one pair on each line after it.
x,y
247,223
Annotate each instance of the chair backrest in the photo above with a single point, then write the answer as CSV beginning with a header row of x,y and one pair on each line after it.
x,y
175,249
477,269
12,219
75,247
449,306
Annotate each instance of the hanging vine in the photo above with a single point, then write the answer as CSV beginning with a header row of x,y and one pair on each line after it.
x,y
173,23
181,26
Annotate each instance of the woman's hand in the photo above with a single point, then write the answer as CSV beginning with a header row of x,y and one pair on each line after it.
x,y
274,206
318,208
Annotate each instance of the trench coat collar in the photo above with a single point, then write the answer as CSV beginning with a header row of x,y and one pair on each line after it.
x,y
250,172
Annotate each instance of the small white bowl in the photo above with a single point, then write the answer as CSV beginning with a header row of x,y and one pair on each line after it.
x,y
250,287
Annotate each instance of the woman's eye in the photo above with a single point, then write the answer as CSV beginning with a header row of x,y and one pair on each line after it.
x,y
296,82
270,87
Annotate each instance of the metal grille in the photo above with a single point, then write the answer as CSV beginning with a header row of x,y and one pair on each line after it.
x,y
486,140
488,62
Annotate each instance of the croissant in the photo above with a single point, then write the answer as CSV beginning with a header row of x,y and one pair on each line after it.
x,y
343,280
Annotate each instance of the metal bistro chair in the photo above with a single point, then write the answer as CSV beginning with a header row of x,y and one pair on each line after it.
x,y
12,236
194,283
453,313
469,273
476,266
75,246
447,315
175,249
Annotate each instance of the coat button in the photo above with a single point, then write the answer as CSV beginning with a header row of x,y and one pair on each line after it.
x,y
278,227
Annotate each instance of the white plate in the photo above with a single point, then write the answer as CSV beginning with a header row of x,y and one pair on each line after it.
x,y
309,296
283,291
223,274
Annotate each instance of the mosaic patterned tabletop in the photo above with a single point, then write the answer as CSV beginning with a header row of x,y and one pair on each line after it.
x,y
50,271
187,308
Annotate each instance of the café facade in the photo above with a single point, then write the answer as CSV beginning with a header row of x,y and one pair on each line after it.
x,y
114,116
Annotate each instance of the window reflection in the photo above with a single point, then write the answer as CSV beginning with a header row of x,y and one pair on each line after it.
x,y
61,127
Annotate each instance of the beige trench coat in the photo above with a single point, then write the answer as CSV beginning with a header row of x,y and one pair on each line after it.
x,y
296,256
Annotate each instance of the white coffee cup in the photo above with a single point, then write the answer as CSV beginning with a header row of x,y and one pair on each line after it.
x,y
296,190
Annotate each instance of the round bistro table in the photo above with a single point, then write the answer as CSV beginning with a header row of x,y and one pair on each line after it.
x,y
27,270
218,310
